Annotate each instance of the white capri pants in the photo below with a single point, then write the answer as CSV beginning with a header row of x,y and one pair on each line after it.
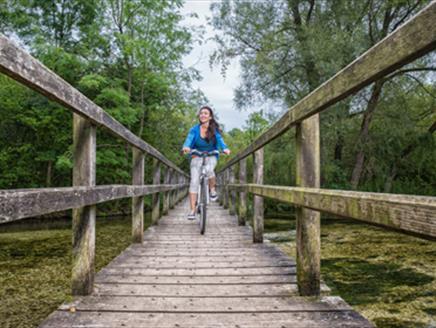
x,y
196,162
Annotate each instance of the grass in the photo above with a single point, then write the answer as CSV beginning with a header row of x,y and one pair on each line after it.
x,y
35,268
387,276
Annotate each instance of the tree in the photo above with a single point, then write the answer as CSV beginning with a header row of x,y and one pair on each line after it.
x,y
288,48
126,56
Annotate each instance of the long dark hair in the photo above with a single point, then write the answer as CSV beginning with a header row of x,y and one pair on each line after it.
x,y
213,125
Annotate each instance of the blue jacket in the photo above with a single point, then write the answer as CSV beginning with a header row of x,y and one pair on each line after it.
x,y
194,134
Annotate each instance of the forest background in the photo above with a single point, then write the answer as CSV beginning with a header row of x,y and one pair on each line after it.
x,y
126,56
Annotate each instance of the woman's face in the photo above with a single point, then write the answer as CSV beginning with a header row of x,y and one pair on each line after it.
x,y
204,116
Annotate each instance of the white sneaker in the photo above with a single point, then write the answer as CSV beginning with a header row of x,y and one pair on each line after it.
x,y
213,196
191,216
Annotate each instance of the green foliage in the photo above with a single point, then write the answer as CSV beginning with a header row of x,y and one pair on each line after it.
x,y
291,48
92,84
25,153
126,56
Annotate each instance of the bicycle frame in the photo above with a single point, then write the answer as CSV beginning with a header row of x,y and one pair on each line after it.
x,y
203,188
203,176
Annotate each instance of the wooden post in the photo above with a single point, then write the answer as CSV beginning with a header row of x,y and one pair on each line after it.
x,y
225,189
232,198
166,196
83,229
185,189
156,196
173,179
235,193
182,181
177,195
181,188
221,189
258,200
138,202
308,221
242,195
177,191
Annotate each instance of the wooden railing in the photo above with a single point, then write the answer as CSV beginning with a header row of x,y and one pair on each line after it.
x,y
84,195
412,214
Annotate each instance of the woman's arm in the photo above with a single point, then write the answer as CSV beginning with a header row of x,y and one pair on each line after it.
x,y
188,141
221,144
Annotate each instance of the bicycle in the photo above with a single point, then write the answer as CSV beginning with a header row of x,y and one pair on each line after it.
x,y
203,188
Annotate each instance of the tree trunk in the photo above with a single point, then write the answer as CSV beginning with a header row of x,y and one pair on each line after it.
x,y
391,177
364,133
142,121
49,174
129,79
313,76
338,147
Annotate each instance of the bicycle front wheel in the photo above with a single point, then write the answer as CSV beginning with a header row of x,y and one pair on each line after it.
x,y
203,206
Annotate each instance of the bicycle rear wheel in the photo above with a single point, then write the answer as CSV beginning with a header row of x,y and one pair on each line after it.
x,y
203,206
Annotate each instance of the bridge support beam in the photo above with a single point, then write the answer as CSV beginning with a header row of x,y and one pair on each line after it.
x,y
258,200
83,229
138,202
156,196
242,204
308,221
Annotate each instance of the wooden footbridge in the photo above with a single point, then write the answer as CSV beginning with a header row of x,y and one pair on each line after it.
x,y
173,277
179,278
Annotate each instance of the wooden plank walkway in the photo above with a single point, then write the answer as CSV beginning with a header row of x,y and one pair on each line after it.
x,y
178,278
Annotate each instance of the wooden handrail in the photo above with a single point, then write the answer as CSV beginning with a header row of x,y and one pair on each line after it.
x,y
409,213
409,42
22,203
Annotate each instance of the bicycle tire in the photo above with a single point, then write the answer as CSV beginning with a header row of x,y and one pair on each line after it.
x,y
203,205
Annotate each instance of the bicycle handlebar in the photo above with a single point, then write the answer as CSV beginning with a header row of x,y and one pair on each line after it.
x,y
203,153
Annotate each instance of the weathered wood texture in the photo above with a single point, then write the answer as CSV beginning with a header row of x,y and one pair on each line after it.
x,y
166,197
83,225
258,200
22,203
172,192
307,220
21,66
310,319
226,190
221,189
179,278
232,193
177,192
408,213
242,204
138,202
155,201
412,40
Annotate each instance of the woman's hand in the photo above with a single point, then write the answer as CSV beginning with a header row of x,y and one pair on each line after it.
x,y
226,151
186,150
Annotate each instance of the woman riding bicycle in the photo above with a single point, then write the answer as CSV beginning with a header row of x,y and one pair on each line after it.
x,y
204,137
